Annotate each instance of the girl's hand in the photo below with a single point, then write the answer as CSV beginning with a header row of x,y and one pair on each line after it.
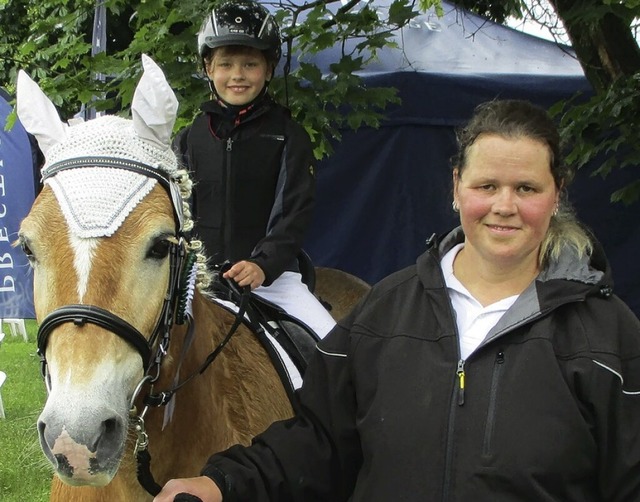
x,y
246,273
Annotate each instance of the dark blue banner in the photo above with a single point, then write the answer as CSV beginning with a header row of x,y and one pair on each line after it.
x,y
17,194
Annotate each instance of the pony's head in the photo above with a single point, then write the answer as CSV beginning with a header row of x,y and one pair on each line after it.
x,y
106,239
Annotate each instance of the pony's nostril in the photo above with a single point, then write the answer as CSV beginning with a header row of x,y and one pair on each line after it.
x,y
110,426
47,443
42,431
109,432
41,427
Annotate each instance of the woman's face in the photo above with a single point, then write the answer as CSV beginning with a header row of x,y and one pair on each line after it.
x,y
238,76
506,195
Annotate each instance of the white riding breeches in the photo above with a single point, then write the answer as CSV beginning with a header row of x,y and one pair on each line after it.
x,y
293,296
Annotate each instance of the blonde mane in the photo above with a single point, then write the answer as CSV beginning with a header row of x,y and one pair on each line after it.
x,y
204,277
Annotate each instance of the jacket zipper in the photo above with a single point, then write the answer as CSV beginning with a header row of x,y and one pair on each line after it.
x,y
456,402
228,213
493,395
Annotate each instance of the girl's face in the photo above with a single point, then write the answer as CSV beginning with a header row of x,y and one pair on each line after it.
x,y
506,195
238,75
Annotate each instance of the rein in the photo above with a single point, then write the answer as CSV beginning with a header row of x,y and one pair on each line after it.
x,y
143,458
164,397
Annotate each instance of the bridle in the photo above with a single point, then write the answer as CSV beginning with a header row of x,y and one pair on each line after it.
x,y
153,350
83,314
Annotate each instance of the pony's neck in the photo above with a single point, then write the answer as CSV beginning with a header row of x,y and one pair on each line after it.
x,y
225,394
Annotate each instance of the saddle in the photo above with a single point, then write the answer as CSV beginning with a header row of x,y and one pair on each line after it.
x,y
289,342
307,270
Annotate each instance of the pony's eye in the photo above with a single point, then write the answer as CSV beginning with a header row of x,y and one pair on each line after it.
x,y
27,250
160,249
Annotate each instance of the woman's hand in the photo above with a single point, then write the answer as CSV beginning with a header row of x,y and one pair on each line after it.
x,y
246,273
202,487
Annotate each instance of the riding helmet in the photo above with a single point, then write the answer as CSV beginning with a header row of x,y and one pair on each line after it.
x,y
241,22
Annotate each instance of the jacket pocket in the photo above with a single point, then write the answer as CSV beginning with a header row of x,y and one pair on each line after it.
x,y
487,445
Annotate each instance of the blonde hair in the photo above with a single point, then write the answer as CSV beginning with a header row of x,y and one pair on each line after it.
x,y
564,230
233,50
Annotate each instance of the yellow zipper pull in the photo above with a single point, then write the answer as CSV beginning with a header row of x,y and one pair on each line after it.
x,y
460,373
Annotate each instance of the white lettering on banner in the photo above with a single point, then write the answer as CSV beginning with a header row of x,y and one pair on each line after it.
x,y
6,260
4,288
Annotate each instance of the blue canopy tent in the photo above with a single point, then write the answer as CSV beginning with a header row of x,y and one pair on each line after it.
x,y
17,192
385,191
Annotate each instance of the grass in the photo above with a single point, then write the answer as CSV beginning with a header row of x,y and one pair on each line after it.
x,y
25,474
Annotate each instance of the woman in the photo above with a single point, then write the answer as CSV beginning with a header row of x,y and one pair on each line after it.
x,y
501,367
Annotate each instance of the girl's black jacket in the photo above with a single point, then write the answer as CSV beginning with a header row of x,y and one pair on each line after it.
x,y
546,409
254,189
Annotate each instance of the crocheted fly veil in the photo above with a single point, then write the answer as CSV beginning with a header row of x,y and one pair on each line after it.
x,y
97,198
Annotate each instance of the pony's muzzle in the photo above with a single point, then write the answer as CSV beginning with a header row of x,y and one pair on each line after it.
x,y
83,456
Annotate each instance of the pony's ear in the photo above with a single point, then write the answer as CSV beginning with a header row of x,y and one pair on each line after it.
x,y
37,113
154,106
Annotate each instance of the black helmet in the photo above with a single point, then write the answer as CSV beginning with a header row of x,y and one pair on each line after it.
x,y
242,22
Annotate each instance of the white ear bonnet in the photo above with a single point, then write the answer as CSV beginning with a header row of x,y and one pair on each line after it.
x,y
98,197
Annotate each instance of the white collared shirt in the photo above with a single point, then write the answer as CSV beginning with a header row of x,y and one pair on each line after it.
x,y
474,321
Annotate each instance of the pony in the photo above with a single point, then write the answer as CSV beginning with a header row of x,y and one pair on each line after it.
x,y
146,374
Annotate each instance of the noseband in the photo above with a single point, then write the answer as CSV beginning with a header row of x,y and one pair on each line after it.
x,y
83,314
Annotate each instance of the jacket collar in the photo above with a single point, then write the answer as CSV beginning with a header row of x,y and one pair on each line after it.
x,y
590,270
568,279
234,113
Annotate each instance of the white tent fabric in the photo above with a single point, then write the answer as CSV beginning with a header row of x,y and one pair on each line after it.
x,y
462,43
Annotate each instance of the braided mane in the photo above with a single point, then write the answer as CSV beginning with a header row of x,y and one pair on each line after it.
x,y
204,277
